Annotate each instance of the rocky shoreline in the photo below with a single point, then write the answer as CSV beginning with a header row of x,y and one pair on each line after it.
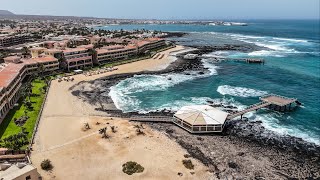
x,y
231,156
255,153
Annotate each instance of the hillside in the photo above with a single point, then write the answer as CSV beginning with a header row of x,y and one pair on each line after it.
x,y
5,12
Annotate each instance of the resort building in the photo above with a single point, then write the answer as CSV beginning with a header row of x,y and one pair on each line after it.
x,y
77,58
10,83
12,74
57,53
200,119
14,69
12,59
46,63
36,51
115,52
150,44
11,40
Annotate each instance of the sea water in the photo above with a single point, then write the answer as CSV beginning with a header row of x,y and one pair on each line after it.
x,y
291,50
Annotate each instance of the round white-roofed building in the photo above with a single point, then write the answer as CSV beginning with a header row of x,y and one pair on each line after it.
x,y
200,119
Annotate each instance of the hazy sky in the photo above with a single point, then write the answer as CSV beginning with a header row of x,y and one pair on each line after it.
x,y
169,9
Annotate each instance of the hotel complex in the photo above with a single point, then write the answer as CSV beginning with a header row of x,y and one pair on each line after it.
x,y
77,58
11,40
117,52
54,55
13,72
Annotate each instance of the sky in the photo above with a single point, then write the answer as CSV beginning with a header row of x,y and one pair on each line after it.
x,y
169,9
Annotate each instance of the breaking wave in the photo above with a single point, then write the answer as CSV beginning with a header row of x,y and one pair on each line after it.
x,y
240,91
277,47
123,94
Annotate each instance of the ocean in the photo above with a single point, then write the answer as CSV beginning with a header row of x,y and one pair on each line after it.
x,y
291,49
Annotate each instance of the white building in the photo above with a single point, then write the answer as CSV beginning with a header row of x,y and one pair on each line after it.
x,y
200,119
20,172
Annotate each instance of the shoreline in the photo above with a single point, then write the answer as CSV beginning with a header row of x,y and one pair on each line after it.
x,y
224,155
287,146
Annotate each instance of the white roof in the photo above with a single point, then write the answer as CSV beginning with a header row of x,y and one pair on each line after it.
x,y
201,115
14,172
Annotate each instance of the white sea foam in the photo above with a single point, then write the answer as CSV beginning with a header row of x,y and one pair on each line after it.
x,y
211,67
265,53
240,91
122,93
271,122
277,47
292,40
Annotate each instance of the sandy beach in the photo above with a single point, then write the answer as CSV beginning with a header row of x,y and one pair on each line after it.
x,y
79,154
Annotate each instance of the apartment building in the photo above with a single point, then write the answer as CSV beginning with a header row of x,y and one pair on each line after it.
x,y
77,58
12,74
48,63
15,69
10,83
36,51
11,40
149,44
115,52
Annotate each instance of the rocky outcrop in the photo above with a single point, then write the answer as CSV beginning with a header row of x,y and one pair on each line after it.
x,y
255,132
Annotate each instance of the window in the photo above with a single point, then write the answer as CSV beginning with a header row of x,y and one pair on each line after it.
x,y
28,177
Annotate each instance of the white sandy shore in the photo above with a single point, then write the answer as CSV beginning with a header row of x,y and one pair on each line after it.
x,y
78,154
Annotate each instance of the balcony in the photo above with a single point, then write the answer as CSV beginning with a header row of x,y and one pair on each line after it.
x,y
80,59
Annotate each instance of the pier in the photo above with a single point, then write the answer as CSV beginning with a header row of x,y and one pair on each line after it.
x,y
221,58
271,101
246,60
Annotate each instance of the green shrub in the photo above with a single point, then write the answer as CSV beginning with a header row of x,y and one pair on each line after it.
x,y
132,167
15,141
188,164
46,165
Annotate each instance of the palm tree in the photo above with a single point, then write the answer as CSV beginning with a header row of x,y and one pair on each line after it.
x,y
138,130
41,70
25,112
62,62
25,51
103,131
27,90
113,129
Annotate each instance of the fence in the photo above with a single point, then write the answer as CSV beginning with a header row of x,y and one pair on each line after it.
x,y
39,115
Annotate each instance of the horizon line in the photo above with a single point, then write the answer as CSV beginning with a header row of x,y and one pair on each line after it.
x,y
162,19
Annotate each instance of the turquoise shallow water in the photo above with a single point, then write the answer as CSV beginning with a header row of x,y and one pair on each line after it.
x,y
292,53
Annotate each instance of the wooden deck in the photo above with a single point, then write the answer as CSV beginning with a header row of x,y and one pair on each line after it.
x,y
279,103
249,109
151,118
278,100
